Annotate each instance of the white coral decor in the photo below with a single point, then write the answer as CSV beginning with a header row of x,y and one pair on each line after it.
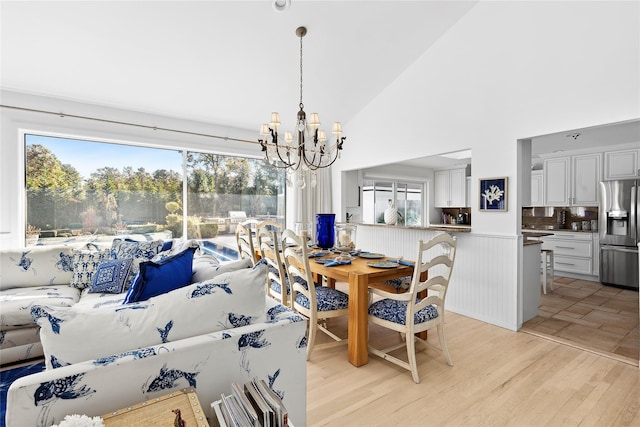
x,y
80,421
493,194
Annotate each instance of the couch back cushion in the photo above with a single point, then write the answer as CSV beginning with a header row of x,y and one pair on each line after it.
x,y
36,266
207,267
77,334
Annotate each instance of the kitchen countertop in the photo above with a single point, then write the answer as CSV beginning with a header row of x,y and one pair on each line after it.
x,y
459,228
556,230
450,228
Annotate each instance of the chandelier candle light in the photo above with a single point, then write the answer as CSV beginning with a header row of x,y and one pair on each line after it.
x,y
309,151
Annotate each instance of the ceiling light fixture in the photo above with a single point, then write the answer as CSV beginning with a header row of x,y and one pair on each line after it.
x,y
309,151
280,5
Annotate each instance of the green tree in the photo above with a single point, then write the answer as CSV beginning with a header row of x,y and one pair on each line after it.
x,y
53,189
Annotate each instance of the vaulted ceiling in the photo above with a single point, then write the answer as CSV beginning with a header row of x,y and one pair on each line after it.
x,y
226,62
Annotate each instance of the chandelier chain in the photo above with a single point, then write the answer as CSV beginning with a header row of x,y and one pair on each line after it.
x,y
301,104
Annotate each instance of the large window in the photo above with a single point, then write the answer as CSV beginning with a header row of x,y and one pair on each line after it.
x,y
78,187
407,197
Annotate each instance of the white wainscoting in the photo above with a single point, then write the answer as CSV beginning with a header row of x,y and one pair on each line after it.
x,y
484,283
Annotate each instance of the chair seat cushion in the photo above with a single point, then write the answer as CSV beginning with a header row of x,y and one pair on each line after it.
x,y
396,311
328,299
275,286
400,282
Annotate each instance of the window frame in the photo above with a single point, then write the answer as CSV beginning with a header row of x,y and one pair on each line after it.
x,y
394,194
133,141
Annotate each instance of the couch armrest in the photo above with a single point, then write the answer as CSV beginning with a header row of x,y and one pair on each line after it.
x,y
274,351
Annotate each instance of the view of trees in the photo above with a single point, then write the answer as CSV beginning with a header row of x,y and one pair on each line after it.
x,y
59,199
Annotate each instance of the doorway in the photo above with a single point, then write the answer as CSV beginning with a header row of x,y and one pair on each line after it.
x,y
583,313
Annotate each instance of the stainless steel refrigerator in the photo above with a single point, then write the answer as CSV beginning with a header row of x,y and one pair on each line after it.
x,y
618,228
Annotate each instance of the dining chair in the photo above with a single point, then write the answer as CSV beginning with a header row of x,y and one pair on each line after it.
x,y
270,250
316,303
407,313
244,240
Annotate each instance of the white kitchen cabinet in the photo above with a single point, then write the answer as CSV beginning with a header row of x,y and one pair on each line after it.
x,y
572,252
572,180
556,181
621,164
450,188
587,174
537,188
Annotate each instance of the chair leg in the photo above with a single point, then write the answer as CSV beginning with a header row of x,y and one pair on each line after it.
x,y
443,344
551,270
311,336
544,272
411,354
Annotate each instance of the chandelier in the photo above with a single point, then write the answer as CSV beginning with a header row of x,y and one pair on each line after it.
x,y
308,150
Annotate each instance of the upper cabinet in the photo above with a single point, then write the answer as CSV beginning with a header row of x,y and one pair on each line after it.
x,y
537,188
572,180
621,164
450,188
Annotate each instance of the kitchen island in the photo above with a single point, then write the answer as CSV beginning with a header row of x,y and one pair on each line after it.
x,y
531,278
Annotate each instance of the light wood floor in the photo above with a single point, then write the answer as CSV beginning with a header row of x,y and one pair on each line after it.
x,y
590,315
499,378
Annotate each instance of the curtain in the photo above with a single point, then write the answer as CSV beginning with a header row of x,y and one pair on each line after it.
x,y
309,199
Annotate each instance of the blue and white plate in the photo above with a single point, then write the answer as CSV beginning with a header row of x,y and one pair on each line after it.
x,y
382,264
371,255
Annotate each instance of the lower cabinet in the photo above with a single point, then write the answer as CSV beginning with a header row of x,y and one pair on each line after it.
x,y
572,252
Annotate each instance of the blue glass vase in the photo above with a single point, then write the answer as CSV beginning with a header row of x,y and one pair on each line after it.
x,y
325,231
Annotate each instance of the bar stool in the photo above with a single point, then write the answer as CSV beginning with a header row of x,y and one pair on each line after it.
x,y
546,256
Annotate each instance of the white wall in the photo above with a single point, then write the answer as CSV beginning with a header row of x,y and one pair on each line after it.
x,y
505,71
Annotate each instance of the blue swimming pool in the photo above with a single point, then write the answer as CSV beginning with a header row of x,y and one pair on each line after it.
x,y
223,253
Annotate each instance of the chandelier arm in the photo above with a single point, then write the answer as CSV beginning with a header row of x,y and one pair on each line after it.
x,y
338,148
288,163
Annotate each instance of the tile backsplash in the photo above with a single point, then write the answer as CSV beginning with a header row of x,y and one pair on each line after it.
x,y
577,218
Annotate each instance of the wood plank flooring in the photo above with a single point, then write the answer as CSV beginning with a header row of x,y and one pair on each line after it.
x,y
499,378
591,316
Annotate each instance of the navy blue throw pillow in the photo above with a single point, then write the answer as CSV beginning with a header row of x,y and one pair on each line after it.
x,y
156,278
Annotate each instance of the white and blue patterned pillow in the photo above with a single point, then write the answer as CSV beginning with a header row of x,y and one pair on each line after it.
x,y
177,246
137,251
111,276
85,264
231,300
133,249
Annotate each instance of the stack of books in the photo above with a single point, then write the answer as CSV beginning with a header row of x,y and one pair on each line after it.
x,y
253,404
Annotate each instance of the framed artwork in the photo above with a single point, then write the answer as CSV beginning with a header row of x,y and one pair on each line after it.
x,y
493,194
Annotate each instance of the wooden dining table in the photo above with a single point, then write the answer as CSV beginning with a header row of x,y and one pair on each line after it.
x,y
359,275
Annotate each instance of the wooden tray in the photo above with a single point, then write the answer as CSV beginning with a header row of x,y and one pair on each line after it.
x,y
158,412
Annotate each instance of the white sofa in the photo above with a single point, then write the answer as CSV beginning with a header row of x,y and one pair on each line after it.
x,y
103,355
